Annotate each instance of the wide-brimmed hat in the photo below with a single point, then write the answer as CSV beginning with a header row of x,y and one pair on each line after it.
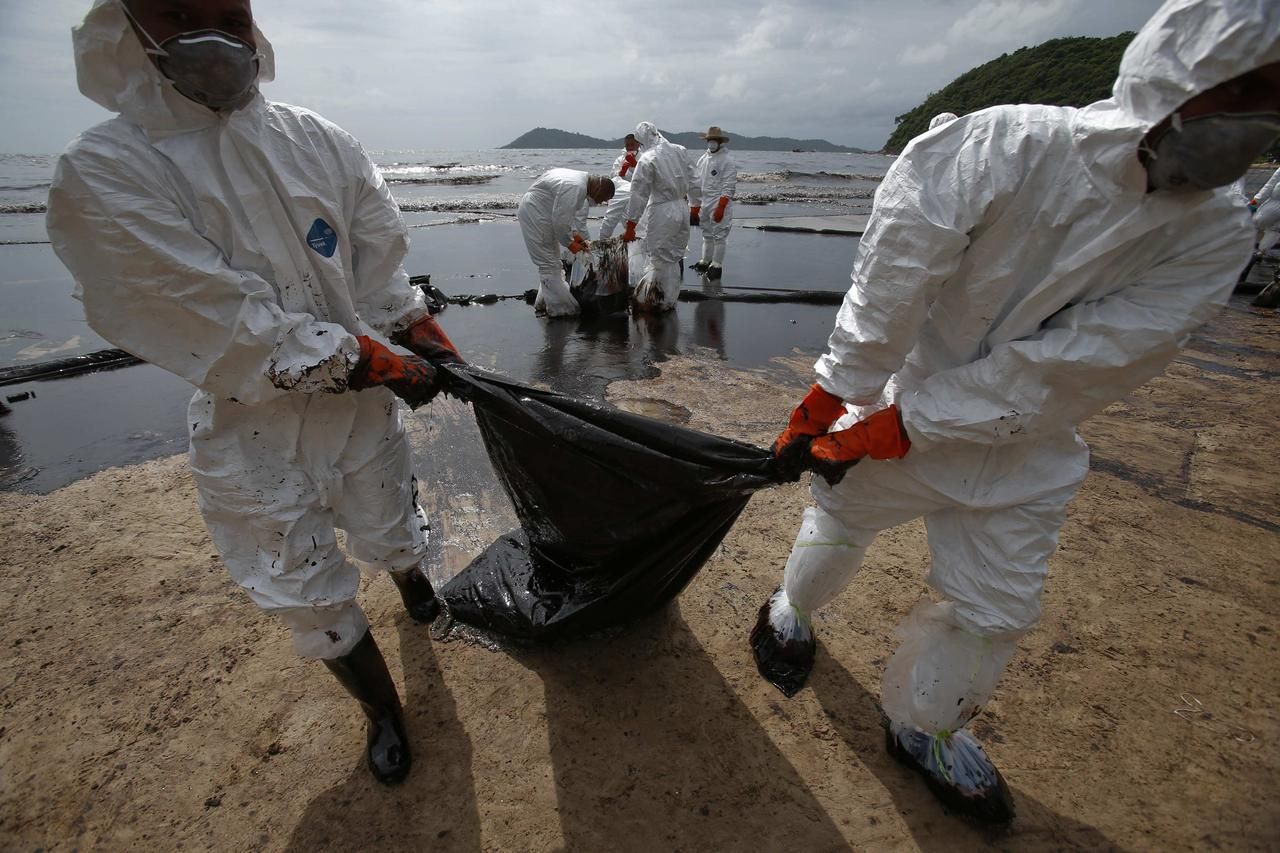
x,y
715,133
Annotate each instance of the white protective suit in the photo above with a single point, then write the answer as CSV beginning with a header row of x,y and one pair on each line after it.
x,y
1266,218
244,253
615,215
579,263
659,190
715,175
548,213
941,119
617,167
1014,279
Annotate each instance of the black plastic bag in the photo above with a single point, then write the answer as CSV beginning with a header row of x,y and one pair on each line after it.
x,y
618,512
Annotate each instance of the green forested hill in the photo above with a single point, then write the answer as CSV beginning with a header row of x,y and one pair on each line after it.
x,y
1065,72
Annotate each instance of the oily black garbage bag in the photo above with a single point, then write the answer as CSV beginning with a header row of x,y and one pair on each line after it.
x,y
617,511
603,290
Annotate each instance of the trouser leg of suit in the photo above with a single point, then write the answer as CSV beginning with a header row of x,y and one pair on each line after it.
x,y
272,502
988,563
378,504
718,235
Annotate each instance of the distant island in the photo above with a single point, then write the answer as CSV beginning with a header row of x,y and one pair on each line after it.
x,y
550,137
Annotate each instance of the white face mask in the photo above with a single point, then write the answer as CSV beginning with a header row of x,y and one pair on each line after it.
x,y
713,145
1209,151
212,68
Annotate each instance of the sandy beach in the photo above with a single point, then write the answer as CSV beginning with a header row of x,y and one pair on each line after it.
x,y
148,705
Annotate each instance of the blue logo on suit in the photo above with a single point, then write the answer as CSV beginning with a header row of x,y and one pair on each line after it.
x,y
322,238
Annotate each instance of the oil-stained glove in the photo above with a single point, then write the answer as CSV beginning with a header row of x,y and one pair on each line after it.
x,y
813,417
427,339
577,244
409,377
720,208
694,216
880,436
629,233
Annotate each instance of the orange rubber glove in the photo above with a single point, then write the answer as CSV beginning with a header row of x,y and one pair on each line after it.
x,y
880,436
695,217
813,417
628,163
409,377
720,206
427,339
577,244
629,233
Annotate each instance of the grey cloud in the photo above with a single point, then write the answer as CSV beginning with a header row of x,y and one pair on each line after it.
x,y
454,74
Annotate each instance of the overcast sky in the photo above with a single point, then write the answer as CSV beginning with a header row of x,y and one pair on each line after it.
x,y
467,74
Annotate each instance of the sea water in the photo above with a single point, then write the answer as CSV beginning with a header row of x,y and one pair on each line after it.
x,y
459,206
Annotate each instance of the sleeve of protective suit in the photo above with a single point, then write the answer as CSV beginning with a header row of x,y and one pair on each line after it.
x,y
570,196
729,175
917,235
580,219
1268,188
613,215
641,187
152,285
695,181
1082,359
379,241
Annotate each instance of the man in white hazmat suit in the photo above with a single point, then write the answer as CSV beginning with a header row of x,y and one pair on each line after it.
x,y
253,249
715,182
1024,266
627,159
547,214
1266,213
659,189
1265,208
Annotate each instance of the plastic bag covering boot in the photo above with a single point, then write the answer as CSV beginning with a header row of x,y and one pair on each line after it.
x,y
783,645
363,672
418,596
936,681
823,560
956,769
554,298
647,504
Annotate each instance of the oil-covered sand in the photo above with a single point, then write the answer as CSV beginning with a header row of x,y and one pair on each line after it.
x,y
148,705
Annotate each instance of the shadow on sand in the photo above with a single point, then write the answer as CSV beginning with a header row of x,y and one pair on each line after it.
x,y
855,713
435,808
652,750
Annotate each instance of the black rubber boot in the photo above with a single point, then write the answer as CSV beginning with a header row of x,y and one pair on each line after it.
x,y
714,272
784,654
956,769
364,673
418,596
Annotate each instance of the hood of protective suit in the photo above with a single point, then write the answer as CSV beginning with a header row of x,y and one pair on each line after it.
x,y
647,135
1186,48
113,71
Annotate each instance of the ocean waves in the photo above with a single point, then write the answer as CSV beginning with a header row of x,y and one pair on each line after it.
x,y
22,207
783,176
